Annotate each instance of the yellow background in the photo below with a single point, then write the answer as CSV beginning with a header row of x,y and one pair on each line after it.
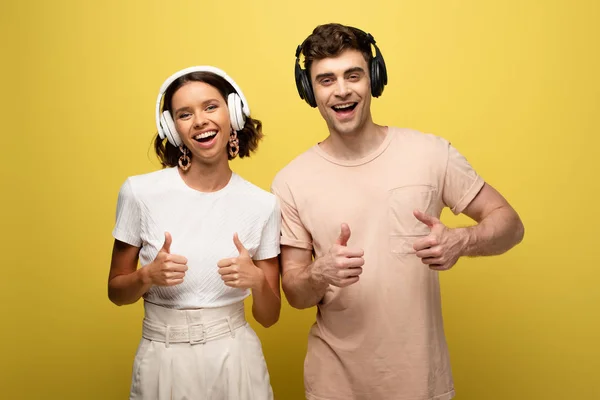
x,y
513,84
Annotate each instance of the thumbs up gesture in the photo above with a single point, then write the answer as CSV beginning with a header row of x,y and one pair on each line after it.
x,y
442,248
240,272
167,269
342,240
342,265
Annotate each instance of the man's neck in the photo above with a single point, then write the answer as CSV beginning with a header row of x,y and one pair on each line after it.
x,y
355,145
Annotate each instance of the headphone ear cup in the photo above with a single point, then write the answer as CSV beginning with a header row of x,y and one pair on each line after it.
x,y
310,96
303,85
384,76
378,76
161,131
375,79
236,113
168,126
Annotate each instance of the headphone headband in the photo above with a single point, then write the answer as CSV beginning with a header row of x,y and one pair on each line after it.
x,y
370,40
199,68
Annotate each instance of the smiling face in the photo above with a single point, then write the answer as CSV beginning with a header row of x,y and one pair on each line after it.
x,y
202,121
342,89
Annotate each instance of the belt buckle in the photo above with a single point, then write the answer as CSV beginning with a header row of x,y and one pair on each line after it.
x,y
190,332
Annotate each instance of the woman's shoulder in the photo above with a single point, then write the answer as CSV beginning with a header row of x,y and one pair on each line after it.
x,y
151,181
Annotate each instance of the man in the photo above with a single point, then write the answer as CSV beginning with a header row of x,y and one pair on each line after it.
x,y
361,235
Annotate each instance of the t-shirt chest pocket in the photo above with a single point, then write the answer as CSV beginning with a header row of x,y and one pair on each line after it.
x,y
404,228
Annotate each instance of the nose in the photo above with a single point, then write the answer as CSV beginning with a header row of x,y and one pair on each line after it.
x,y
199,121
341,88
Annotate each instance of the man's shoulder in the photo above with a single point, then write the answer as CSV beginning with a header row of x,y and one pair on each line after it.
x,y
415,142
414,137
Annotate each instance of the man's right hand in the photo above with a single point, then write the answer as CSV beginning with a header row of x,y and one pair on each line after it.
x,y
167,269
342,265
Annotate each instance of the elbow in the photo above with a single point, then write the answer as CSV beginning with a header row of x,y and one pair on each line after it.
x,y
116,302
267,324
116,299
519,231
296,302
112,296
291,299
269,320
299,305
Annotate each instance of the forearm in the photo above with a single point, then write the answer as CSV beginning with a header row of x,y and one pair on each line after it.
x,y
303,288
497,233
266,304
128,288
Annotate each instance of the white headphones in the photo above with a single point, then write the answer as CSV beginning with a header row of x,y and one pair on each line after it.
x,y
236,102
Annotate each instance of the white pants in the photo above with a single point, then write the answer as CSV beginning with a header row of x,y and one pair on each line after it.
x,y
210,353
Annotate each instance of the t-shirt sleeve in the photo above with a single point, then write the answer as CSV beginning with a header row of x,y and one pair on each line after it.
x,y
128,219
269,239
293,232
461,182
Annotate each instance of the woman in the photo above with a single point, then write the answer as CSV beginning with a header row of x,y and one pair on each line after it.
x,y
206,238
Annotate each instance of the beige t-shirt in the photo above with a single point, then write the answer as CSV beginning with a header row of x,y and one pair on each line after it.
x,y
383,337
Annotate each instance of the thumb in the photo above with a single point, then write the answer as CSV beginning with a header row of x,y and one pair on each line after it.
x,y
342,240
238,244
167,245
426,219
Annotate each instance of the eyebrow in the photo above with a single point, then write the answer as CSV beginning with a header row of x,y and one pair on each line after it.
x,y
354,69
187,108
346,72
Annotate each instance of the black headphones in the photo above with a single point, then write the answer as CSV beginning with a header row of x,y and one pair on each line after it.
x,y
377,69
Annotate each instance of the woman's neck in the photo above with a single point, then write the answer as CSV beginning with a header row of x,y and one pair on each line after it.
x,y
206,177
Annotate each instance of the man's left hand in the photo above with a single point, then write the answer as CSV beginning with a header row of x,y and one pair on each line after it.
x,y
442,248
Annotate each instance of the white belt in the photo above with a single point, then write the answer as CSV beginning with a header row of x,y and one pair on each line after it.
x,y
194,333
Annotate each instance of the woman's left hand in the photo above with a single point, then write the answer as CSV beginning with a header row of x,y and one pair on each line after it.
x,y
240,272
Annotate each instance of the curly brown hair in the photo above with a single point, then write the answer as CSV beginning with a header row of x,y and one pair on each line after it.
x,y
330,40
248,137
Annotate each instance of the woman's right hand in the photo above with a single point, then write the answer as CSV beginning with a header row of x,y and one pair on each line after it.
x,y
167,269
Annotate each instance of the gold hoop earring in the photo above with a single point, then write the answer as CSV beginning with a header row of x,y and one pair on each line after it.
x,y
234,144
184,160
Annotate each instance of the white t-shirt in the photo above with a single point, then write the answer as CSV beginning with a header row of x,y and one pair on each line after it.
x,y
202,227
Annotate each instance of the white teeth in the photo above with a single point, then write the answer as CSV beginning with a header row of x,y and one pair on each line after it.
x,y
205,135
342,106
